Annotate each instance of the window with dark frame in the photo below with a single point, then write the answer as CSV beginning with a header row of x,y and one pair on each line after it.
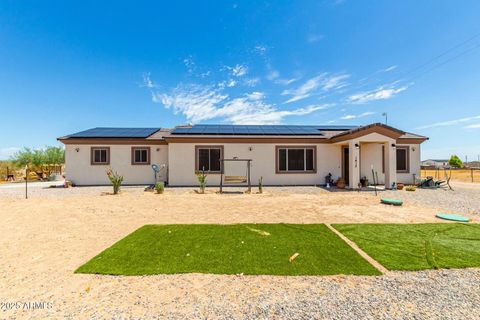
x,y
208,159
402,159
100,156
140,155
296,159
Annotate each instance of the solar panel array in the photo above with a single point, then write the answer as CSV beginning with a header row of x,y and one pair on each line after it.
x,y
280,130
115,133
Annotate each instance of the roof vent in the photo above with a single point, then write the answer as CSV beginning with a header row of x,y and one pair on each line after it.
x,y
188,125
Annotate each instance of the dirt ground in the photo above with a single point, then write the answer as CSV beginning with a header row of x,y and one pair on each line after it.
x,y
44,239
463,175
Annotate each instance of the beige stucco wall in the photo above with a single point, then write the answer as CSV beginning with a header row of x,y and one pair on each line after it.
x,y
80,171
180,161
181,158
371,154
414,157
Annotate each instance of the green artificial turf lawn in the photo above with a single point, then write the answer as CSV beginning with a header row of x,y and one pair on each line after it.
x,y
230,249
418,246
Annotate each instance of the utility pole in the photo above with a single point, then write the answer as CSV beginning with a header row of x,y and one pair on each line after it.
x,y
26,182
386,117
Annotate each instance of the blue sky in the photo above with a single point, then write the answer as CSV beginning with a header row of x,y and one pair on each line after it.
x,y
66,67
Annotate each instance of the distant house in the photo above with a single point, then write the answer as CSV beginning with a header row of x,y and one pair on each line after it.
x,y
281,154
435,163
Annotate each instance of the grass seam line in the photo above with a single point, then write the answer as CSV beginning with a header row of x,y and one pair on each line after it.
x,y
355,247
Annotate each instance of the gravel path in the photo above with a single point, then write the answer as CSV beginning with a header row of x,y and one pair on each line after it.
x,y
440,294
464,199
45,238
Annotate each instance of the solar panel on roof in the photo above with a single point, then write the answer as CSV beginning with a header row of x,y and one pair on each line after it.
x,y
258,129
115,133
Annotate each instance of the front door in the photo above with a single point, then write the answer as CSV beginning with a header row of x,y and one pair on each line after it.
x,y
345,165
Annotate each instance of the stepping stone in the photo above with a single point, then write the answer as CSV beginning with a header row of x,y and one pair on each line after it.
x,y
452,217
394,202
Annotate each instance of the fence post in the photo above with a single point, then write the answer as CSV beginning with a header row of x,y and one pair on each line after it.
x,y
471,173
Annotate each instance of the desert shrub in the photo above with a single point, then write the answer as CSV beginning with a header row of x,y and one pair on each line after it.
x,y
260,185
160,187
410,188
116,179
202,180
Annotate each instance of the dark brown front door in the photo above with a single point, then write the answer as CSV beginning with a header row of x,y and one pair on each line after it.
x,y
345,164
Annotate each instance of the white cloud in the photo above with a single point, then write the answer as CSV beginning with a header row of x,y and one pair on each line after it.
x,y
286,82
261,49
274,74
6,153
321,81
312,38
252,82
473,126
239,70
335,82
196,102
227,83
381,93
450,123
189,64
352,116
147,82
199,103
391,68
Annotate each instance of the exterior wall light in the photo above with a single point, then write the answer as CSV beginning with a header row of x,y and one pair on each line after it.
x,y
77,149
413,149
357,146
394,145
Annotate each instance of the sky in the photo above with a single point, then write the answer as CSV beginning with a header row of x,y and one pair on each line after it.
x,y
68,66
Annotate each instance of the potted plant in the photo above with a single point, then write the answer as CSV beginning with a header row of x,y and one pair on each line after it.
x,y
400,186
341,183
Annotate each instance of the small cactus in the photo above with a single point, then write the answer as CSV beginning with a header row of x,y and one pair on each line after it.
x,y
260,185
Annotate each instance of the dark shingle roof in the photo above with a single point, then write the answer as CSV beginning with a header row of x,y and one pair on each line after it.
x,y
114,133
257,130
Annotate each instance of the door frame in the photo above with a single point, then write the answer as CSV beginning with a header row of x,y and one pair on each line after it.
x,y
345,177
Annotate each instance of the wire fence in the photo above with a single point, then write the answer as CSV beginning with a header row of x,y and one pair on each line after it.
x,y
461,174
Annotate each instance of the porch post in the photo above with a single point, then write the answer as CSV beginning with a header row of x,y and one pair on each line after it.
x,y
354,165
390,165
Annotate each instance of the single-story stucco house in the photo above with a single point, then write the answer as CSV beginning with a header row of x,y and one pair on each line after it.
x,y
281,154
437,163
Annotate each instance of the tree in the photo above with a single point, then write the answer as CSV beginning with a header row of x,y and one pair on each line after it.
x,y
40,160
455,161
54,156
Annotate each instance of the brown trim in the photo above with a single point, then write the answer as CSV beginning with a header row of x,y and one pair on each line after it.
x,y
383,158
317,140
407,156
245,140
113,141
362,131
93,163
149,151
197,147
411,140
342,156
277,159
